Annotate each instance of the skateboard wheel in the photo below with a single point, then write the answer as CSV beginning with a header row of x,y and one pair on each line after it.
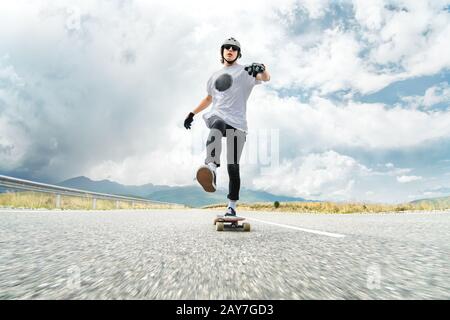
x,y
246,226
219,226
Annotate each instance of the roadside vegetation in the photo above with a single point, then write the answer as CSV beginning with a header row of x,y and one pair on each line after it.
x,y
335,207
37,200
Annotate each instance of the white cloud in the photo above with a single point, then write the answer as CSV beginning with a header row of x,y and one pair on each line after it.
x,y
398,171
327,125
13,135
333,63
391,170
175,167
387,42
437,94
8,75
409,33
337,59
107,78
406,179
369,13
433,95
315,8
327,175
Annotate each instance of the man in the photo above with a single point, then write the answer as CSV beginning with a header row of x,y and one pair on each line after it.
x,y
228,90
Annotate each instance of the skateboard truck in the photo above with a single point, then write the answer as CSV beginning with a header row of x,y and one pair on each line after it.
x,y
221,222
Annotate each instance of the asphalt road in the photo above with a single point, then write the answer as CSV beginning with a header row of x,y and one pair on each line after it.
x,y
174,254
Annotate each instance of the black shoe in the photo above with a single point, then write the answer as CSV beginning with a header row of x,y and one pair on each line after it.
x,y
230,212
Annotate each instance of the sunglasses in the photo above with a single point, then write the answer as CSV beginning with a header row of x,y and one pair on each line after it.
x,y
232,47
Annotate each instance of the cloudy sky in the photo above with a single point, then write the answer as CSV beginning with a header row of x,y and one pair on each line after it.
x,y
357,109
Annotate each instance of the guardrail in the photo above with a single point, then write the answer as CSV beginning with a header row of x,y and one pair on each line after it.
x,y
21,184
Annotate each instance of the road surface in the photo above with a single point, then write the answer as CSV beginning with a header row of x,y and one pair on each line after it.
x,y
177,254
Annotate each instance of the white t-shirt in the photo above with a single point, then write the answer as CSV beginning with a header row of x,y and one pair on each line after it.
x,y
230,88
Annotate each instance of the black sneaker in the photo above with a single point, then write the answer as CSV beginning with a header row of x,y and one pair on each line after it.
x,y
207,178
230,212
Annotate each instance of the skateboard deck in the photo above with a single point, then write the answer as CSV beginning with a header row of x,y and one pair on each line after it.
x,y
221,222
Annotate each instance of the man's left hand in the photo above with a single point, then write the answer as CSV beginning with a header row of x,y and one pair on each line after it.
x,y
255,68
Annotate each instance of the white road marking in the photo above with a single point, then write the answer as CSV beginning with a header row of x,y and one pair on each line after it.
x,y
323,233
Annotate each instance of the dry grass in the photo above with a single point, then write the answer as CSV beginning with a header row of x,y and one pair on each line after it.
x,y
332,207
37,200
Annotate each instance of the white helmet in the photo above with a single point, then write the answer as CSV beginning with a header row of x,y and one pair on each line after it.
x,y
232,42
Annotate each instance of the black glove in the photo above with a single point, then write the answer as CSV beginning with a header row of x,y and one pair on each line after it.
x,y
255,68
188,120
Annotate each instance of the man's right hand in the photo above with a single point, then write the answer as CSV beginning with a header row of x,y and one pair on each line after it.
x,y
188,120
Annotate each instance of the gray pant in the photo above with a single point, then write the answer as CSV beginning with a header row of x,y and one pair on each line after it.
x,y
235,144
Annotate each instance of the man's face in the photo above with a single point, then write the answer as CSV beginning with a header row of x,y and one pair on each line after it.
x,y
230,52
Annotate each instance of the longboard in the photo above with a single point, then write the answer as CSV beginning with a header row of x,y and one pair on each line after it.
x,y
221,222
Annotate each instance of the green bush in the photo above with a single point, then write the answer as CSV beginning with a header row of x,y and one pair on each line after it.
x,y
276,204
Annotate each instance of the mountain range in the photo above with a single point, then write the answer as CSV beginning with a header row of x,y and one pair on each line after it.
x,y
192,196
441,202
